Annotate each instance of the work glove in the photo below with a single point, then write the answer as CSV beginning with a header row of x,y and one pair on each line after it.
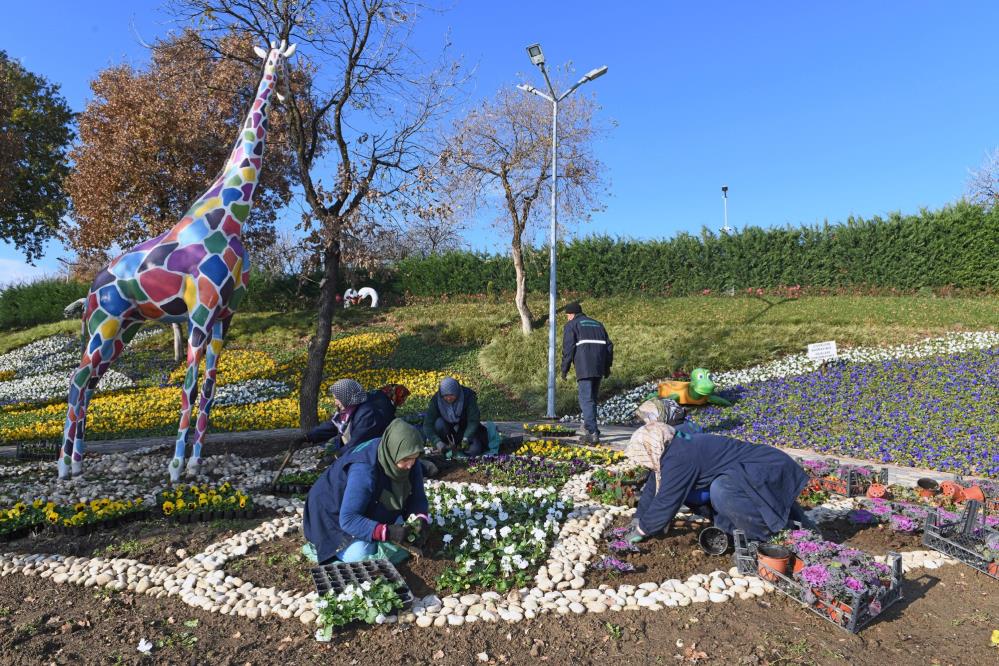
x,y
419,532
398,533
634,535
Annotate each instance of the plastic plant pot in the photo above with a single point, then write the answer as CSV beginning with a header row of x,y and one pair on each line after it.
x,y
878,491
974,493
770,556
713,541
927,487
953,490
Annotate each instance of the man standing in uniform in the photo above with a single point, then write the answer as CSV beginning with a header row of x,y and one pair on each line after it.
x,y
585,345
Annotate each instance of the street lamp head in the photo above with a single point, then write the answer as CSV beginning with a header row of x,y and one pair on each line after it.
x,y
594,74
724,190
537,57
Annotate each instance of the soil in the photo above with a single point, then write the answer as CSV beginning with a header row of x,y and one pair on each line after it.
x,y
421,573
278,564
453,470
150,541
946,617
675,555
872,539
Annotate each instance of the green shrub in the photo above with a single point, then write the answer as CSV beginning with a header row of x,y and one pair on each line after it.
x,y
38,302
949,248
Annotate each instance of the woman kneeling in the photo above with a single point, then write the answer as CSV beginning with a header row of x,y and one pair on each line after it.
x,y
358,505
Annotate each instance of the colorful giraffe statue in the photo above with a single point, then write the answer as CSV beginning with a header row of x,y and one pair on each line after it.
x,y
196,272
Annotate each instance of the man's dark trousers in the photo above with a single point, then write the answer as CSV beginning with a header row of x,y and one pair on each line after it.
x,y
588,389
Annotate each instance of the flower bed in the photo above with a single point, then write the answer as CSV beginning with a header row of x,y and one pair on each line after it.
x,y
84,517
595,455
543,430
20,519
187,504
365,602
521,471
496,539
620,488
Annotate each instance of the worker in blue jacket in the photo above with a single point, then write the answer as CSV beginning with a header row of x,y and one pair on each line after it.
x,y
752,487
587,347
360,416
355,510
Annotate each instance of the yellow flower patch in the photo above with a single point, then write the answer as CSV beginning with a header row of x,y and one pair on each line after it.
x,y
235,365
596,455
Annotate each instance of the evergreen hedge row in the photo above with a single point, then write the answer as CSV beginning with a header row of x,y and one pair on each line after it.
x,y
955,246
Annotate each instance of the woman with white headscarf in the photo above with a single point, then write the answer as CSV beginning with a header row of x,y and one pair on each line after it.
x,y
452,419
752,487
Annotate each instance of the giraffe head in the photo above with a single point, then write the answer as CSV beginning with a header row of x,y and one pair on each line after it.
x,y
275,57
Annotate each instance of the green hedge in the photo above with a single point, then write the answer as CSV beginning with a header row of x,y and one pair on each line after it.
x,y
39,302
954,246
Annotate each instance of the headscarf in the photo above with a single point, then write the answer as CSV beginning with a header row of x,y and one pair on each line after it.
x,y
397,393
348,392
451,411
400,440
647,445
660,410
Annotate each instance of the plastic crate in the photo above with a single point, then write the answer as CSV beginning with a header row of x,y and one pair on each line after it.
x,y
960,540
856,483
336,576
853,619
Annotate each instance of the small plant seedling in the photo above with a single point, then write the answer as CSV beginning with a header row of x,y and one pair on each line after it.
x,y
191,623
613,630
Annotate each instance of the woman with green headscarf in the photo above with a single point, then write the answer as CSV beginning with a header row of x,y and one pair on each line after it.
x,y
359,503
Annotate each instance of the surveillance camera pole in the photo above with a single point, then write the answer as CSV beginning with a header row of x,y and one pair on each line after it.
x,y
537,57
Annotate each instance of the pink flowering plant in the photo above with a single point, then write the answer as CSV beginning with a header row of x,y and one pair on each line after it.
x,y
834,572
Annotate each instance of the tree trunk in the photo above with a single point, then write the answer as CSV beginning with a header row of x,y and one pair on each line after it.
x,y
308,400
178,343
521,296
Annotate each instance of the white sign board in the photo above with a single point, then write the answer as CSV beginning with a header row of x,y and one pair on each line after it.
x,y
822,351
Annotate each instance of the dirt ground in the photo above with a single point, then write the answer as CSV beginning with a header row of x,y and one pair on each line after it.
x,y
872,539
946,618
676,555
151,541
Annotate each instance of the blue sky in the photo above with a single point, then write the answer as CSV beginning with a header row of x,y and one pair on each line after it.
x,y
807,111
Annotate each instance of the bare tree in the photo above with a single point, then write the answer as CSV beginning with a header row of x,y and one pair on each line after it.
x,y
286,255
983,184
499,158
361,152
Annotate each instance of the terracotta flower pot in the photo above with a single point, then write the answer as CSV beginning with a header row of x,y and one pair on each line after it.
x,y
974,493
877,491
993,568
838,611
775,557
799,564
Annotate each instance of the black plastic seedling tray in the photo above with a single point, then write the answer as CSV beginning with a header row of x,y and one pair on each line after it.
x,y
336,576
961,540
38,451
853,619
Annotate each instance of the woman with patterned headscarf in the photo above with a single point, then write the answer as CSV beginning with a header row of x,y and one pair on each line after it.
x,y
452,419
752,487
360,416
355,510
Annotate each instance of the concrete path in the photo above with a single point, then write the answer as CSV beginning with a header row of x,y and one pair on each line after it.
x,y
615,436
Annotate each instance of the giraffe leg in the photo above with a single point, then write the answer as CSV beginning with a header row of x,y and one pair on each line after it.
x,y
197,340
105,344
212,353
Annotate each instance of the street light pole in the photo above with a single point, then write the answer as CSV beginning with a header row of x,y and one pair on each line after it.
x,y
726,230
538,58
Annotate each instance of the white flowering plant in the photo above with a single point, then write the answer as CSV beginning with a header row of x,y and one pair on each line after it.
x,y
496,538
366,602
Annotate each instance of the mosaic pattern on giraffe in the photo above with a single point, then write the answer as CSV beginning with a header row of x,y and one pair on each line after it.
x,y
196,272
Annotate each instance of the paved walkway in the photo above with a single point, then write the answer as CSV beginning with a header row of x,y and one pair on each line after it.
x,y
615,436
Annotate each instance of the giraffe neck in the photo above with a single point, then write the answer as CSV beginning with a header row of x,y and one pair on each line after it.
x,y
248,152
